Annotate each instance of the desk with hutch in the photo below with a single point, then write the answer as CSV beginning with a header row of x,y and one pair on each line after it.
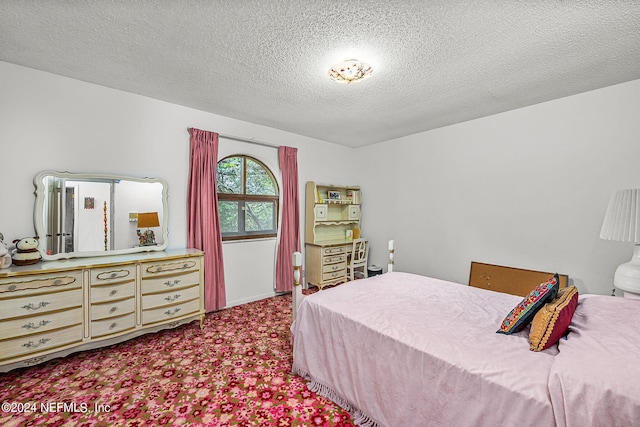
x,y
330,211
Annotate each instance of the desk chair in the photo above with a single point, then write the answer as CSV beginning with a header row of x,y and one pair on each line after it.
x,y
358,257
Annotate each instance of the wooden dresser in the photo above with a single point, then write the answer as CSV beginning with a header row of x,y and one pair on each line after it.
x,y
326,263
54,308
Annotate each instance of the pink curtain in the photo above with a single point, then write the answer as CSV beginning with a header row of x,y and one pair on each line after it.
x,y
290,227
203,222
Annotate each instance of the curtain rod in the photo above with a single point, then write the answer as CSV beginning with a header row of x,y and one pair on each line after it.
x,y
250,141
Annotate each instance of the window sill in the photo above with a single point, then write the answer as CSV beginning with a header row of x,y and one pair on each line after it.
x,y
261,239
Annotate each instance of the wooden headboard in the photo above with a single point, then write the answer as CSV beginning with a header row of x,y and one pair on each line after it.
x,y
509,280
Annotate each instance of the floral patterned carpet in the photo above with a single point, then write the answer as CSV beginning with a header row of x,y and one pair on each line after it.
x,y
235,372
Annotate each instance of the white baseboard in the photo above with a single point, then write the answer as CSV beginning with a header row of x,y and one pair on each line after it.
x,y
250,299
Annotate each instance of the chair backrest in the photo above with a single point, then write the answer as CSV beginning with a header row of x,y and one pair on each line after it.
x,y
360,251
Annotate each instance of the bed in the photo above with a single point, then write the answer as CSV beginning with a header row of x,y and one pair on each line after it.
x,y
406,350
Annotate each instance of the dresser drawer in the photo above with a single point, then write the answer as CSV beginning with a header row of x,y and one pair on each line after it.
x,y
39,283
176,311
112,292
40,323
333,259
330,268
333,250
40,342
36,304
151,269
112,274
112,309
168,283
112,325
171,297
334,275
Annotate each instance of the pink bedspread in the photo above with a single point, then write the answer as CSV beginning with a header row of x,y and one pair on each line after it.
x,y
595,378
406,350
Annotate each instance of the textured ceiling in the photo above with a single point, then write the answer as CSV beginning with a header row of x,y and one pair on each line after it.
x,y
435,62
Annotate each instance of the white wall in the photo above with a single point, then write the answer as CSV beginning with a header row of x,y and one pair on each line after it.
x,y
52,122
525,188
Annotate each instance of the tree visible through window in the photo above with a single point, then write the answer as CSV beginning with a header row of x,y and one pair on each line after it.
x,y
247,199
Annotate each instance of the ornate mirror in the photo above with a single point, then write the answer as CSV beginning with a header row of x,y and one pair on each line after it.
x,y
81,215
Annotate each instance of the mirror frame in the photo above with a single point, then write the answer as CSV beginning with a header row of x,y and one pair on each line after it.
x,y
38,214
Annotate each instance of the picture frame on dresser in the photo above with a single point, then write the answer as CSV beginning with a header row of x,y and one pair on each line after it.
x,y
333,195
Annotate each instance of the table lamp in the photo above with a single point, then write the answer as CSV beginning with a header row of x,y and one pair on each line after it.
x,y
147,220
622,223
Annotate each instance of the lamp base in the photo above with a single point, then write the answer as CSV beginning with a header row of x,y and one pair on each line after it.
x,y
627,277
146,238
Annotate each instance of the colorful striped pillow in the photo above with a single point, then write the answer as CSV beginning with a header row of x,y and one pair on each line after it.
x,y
523,313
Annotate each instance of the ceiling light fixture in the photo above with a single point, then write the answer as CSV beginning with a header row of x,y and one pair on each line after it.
x,y
350,71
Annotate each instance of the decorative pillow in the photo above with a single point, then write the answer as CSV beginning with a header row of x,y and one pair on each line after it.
x,y
552,321
523,313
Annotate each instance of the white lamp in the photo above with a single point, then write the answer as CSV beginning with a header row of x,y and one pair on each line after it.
x,y
622,223
147,220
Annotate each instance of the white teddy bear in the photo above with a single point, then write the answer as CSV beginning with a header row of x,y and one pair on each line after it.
x,y
5,256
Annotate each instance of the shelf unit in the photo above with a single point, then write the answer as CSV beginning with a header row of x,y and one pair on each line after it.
x,y
328,219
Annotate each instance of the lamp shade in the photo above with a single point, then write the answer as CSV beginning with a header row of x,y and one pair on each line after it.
x,y
622,223
622,219
148,219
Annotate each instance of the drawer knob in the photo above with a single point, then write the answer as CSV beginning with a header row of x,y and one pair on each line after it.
x,y
12,287
113,309
31,344
113,325
31,306
172,312
110,275
32,325
57,282
113,292
172,298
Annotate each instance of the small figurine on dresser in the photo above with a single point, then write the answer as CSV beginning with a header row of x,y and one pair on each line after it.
x,y
5,256
26,251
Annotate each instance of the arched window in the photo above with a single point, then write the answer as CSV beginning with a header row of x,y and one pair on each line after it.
x,y
247,198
